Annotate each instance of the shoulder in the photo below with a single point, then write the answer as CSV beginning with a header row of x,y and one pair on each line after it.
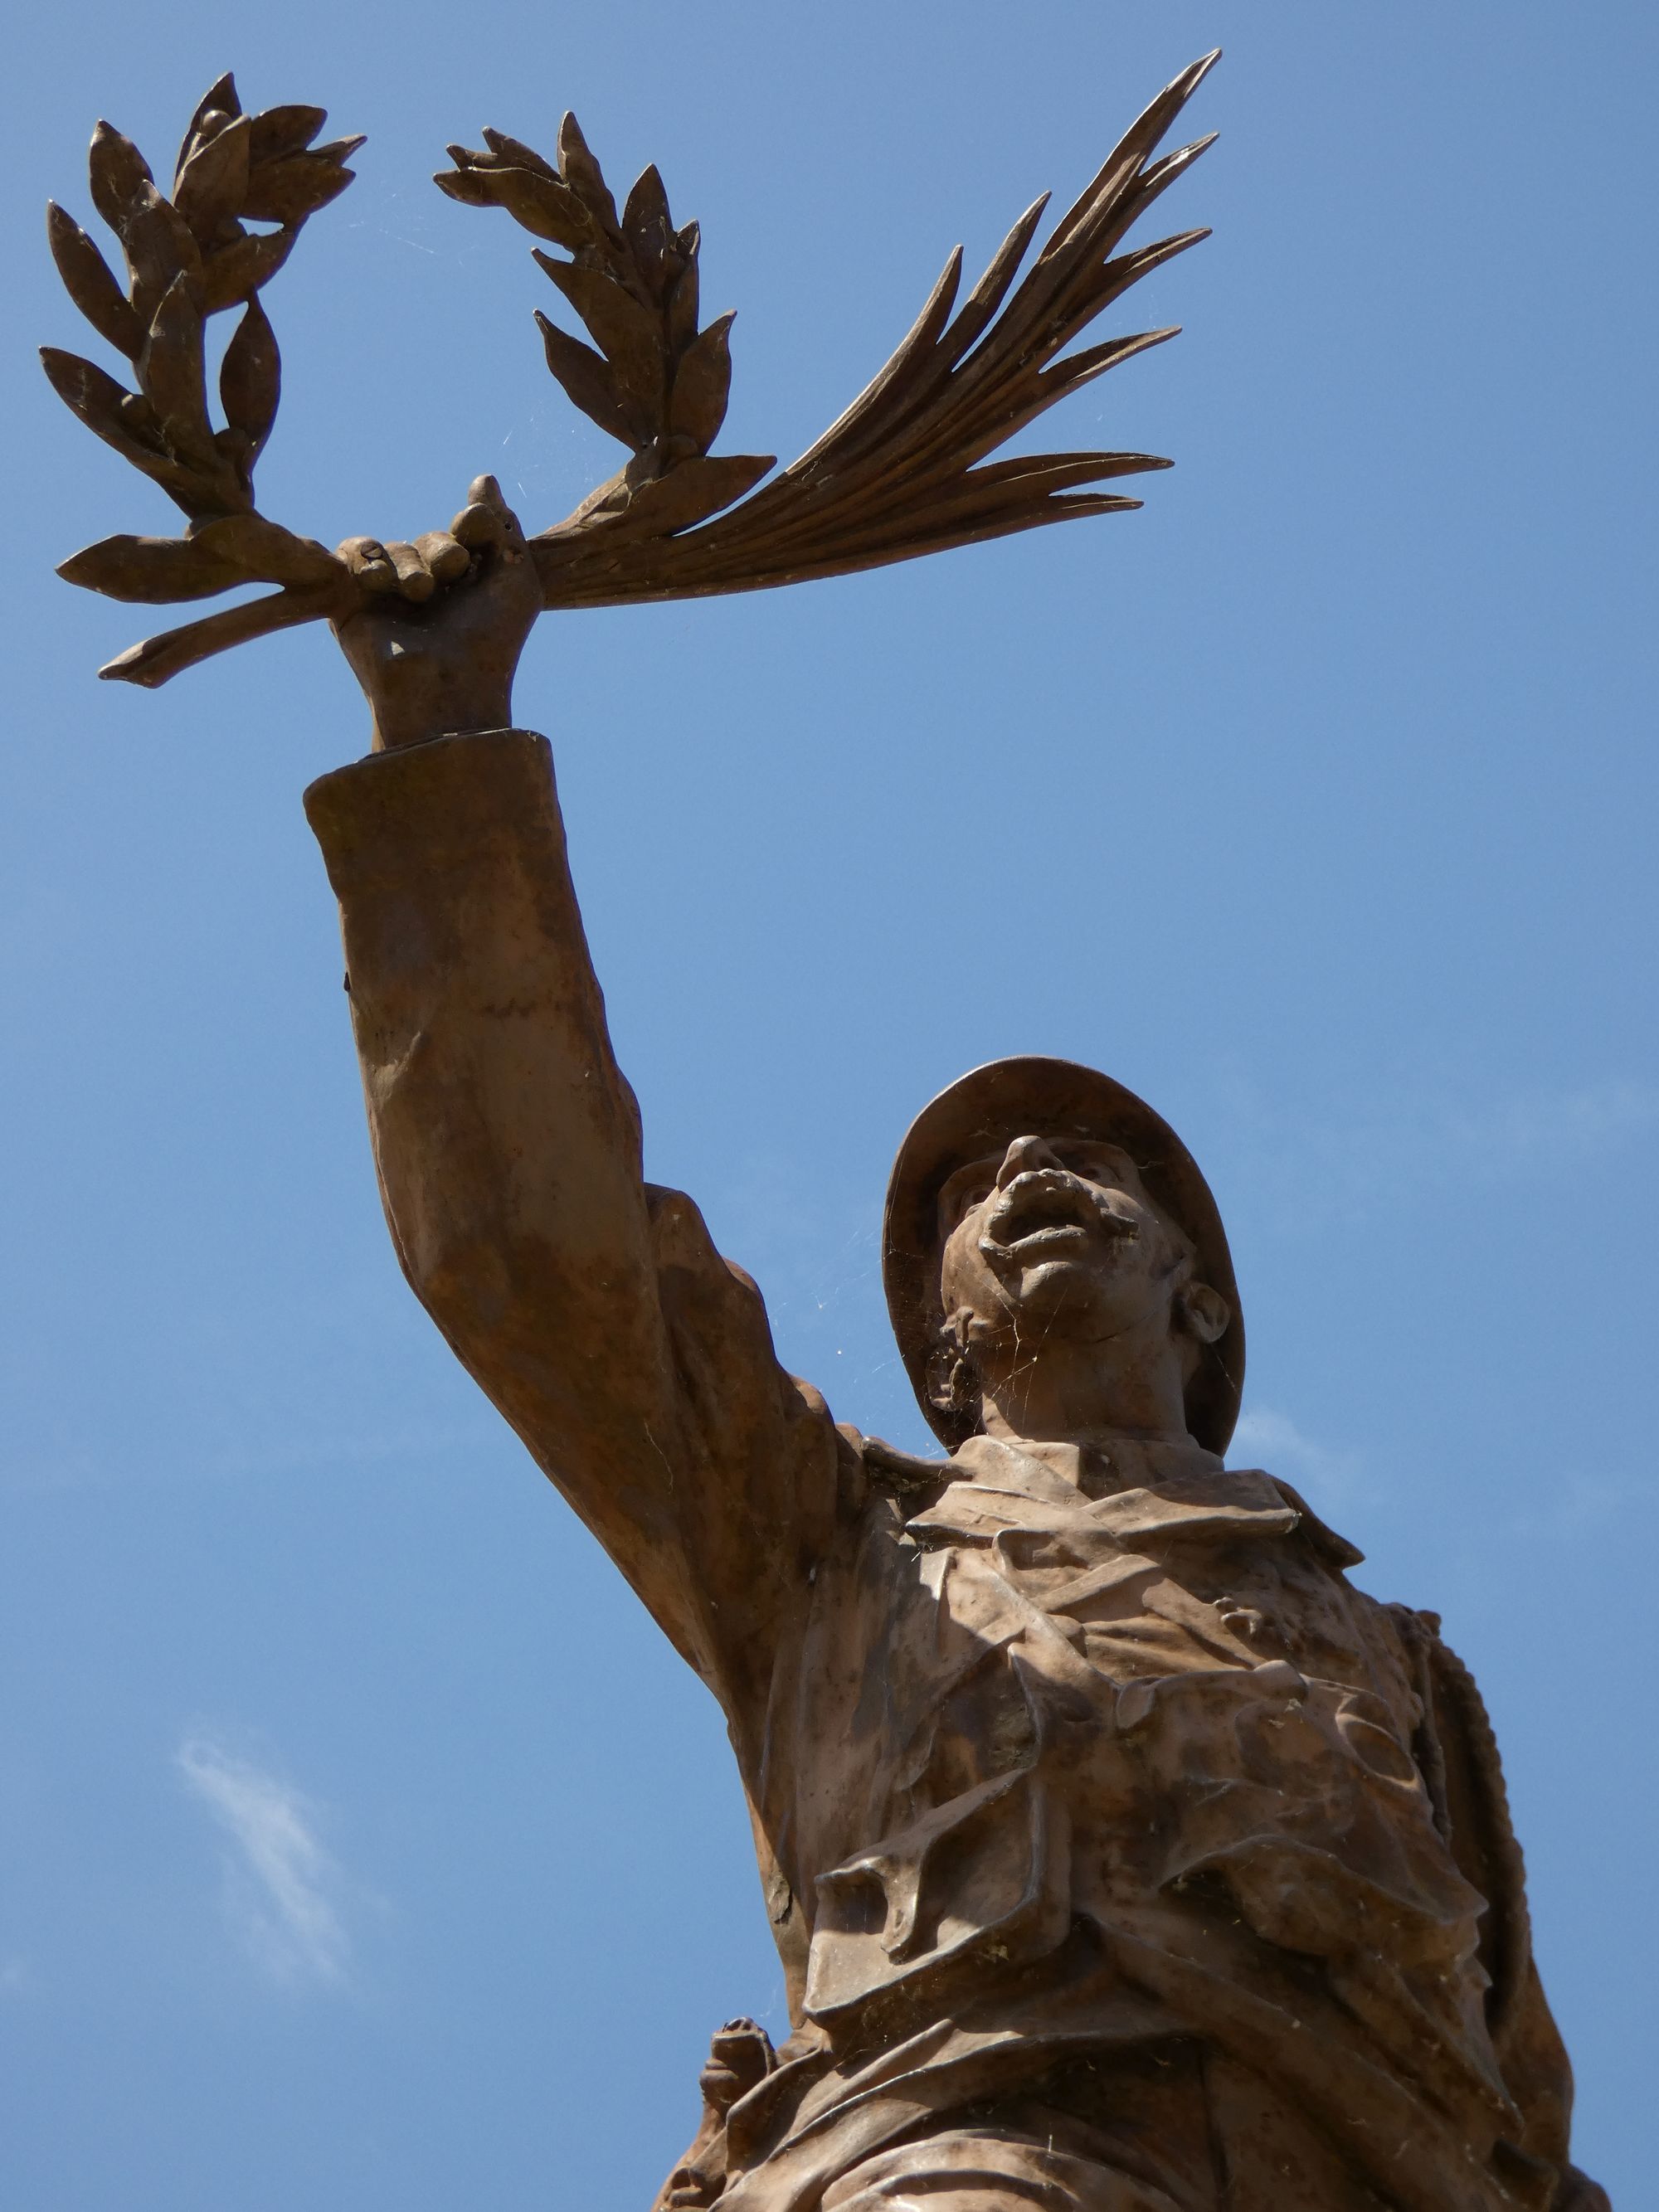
x,y
1333,1550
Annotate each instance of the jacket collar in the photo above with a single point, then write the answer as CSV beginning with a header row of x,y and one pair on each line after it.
x,y
1133,1491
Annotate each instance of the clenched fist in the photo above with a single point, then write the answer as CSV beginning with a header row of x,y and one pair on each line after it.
x,y
436,639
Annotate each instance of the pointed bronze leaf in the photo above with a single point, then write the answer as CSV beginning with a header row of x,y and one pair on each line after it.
x,y
582,174
160,248
158,658
250,378
281,131
544,207
120,418
117,173
268,553
219,99
649,229
1081,369
702,385
212,185
95,396
464,183
171,372
629,336
683,308
690,493
514,153
236,271
884,400
90,282
590,384
149,571
988,296
294,186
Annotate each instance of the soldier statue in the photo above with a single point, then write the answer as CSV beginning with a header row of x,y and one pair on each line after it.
x,y
1121,1854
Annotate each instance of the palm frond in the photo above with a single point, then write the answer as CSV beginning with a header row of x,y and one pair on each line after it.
x,y
899,473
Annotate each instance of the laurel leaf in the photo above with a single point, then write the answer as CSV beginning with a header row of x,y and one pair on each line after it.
x,y
294,186
463,184
683,308
119,416
250,378
582,174
281,131
543,205
91,285
692,492
93,394
219,99
649,230
117,173
171,372
629,336
149,570
702,385
236,271
590,384
159,659
265,552
212,185
160,248
514,153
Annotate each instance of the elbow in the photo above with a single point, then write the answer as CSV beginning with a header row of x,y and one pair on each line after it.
x,y
466,1284
515,1307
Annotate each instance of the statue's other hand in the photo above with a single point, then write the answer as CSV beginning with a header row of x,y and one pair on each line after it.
x,y
440,624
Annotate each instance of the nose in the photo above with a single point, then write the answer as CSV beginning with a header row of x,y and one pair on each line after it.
x,y
1022,1156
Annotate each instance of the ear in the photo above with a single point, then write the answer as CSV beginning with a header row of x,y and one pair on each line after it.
x,y
1205,1313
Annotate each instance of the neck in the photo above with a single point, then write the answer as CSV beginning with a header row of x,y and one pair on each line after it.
x,y
1077,1393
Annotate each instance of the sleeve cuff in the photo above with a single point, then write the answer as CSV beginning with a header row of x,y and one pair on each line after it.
x,y
429,805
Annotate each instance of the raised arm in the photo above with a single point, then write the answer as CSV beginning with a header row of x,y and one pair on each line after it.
x,y
636,1366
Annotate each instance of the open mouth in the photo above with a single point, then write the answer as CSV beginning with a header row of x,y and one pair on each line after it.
x,y
1042,1212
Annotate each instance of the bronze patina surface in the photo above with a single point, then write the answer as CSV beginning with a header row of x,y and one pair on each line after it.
x,y
1121,1854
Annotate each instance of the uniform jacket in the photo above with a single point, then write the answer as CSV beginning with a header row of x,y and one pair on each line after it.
x,y
1056,1751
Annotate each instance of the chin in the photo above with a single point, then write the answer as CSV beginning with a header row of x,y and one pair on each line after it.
x,y
1047,1287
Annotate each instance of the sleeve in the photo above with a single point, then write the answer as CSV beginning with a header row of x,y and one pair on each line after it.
x,y
1469,1786
594,1312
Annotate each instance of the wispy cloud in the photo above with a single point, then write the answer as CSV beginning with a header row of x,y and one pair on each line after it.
x,y
1275,1440
281,1885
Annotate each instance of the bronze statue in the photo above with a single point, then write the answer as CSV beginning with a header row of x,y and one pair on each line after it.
x,y
1122,1857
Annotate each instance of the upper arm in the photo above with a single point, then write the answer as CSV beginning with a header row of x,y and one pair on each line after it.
x,y
638,1369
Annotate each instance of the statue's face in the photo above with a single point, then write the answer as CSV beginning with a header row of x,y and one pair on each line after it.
x,y
1056,1234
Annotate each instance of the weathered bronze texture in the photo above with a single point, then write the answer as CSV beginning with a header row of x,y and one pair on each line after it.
x,y
1121,1854
903,472
1119,1851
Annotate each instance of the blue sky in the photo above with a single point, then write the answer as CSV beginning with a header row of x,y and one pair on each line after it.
x,y
363,1843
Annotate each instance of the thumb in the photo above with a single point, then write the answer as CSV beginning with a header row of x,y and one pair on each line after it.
x,y
487,519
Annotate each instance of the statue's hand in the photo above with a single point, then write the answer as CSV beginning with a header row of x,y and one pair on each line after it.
x,y
438,636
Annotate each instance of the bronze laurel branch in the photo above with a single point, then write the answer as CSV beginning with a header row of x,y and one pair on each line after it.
x,y
905,470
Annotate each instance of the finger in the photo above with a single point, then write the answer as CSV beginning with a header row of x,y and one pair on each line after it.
x,y
478,526
366,558
443,555
416,580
